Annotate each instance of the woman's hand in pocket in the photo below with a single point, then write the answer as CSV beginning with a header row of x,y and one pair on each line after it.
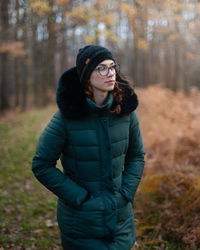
x,y
92,203
121,200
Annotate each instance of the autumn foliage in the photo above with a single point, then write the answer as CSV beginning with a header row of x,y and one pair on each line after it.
x,y
167,206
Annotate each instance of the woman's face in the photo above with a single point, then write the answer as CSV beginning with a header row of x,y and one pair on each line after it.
x,y
101,82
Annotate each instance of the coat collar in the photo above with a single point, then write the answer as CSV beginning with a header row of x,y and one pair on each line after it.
x,y
73,103
99,109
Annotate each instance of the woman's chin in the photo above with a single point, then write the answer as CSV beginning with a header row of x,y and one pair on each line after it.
x,y
110,88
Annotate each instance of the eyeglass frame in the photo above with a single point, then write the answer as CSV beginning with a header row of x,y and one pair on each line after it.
x,y
117,65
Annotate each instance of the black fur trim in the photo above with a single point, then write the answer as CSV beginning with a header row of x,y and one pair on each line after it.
x,y
71,98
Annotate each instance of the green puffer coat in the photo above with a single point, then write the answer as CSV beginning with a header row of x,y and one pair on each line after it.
x,y
103,159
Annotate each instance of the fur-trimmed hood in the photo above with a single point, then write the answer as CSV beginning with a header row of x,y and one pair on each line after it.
x,y
71,98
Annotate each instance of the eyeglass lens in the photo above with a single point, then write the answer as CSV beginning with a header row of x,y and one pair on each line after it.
x,y
104,70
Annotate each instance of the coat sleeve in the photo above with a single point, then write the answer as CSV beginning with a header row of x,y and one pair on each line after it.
x,y
49,149
134,161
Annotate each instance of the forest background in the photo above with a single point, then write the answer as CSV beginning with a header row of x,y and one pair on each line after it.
x,y
157,44
154,41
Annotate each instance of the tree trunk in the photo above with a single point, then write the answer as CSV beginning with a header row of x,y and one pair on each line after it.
x,y
33,55
17,60
17,82
24,67
51,50
4,87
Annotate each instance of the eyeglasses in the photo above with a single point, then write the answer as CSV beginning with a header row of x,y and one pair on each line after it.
x,y
104,70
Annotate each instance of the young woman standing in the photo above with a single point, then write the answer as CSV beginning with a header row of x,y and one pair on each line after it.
x,y
96,134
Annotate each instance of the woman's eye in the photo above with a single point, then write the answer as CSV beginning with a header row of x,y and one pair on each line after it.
x,y
113,67
101,68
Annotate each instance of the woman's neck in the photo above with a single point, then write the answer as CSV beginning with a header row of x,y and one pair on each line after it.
x,y
100,97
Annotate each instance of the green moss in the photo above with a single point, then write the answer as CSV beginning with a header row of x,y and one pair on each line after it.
x,y
25,203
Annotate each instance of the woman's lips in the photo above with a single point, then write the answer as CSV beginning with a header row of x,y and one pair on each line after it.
x,y
110,81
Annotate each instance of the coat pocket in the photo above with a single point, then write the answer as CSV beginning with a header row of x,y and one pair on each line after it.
x,y
87,221
93,204
89,218
65,218
89,224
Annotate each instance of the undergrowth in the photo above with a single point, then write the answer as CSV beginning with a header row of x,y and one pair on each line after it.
x,y
167,205
28,210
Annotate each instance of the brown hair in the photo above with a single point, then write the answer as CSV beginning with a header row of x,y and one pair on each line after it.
x,y
117,94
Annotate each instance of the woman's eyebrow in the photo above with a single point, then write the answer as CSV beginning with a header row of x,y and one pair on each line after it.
x,y
102,64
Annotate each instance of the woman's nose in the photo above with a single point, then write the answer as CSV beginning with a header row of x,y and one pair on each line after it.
x,y
110,72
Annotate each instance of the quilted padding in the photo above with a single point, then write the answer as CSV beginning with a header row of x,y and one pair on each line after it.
x,y
103,160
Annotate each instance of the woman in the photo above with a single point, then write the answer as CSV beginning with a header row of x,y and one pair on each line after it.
x,y
96,134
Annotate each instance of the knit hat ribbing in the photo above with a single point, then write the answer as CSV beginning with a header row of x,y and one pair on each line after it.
x,y
88,58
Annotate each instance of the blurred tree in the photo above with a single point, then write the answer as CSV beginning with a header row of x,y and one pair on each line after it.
x,y
159,41
16,61
154,41
49,40
45,45
4,26
96,18
26,61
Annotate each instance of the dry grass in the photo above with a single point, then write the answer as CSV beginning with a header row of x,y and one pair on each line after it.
x,y
168,201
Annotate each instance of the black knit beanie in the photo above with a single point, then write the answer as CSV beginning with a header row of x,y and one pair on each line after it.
x,y
88,58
